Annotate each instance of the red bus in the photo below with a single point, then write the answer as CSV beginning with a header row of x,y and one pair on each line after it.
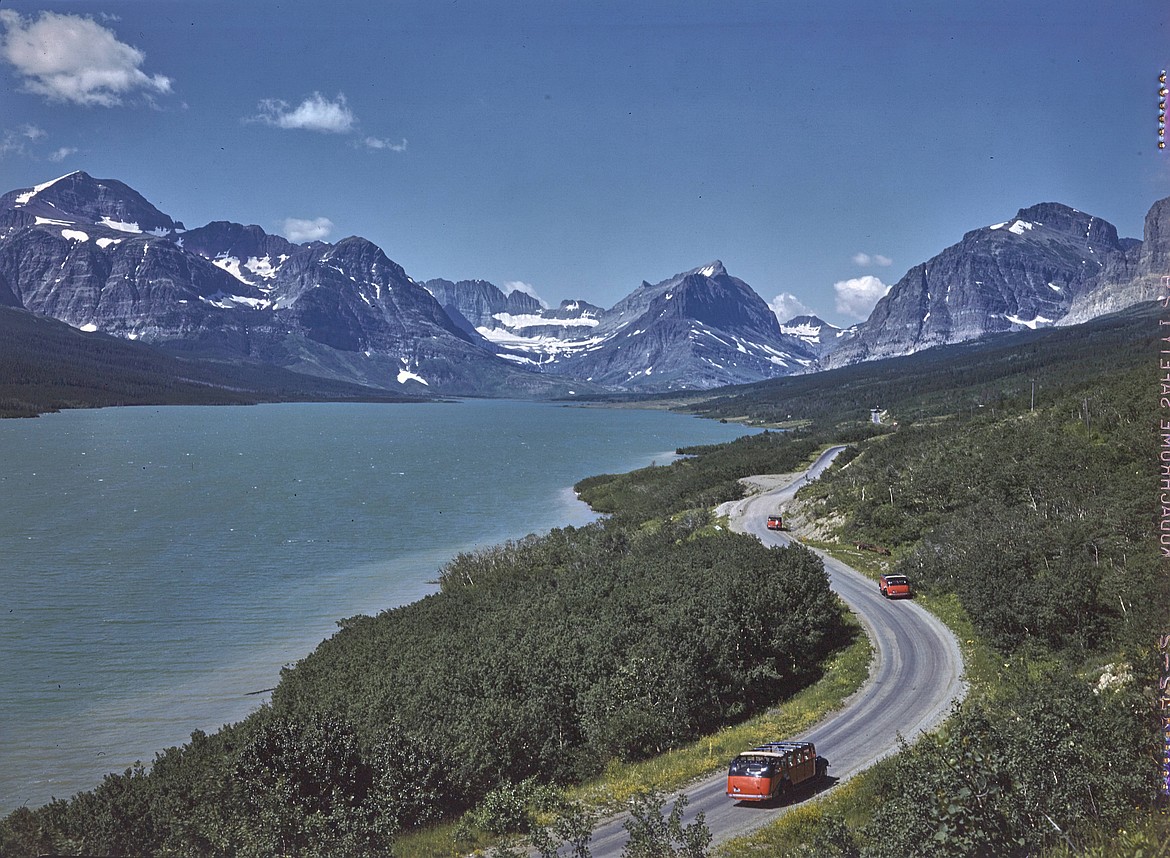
x,y
895,587
772,770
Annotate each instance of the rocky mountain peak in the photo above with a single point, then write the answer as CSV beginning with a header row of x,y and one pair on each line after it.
x,y
1060,218
1155,248
80,198
713,269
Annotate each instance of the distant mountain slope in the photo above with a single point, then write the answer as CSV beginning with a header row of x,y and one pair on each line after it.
x,y
968,376
820,336
1022,273
1133,277
93,253
699,329
46,365
480,302
97,255
79,198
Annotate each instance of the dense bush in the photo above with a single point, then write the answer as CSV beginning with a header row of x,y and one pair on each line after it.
x,y
548,656
1041,521
538,659
1037,769
707,477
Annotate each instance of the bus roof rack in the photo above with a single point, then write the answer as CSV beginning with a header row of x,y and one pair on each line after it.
x,y
781,747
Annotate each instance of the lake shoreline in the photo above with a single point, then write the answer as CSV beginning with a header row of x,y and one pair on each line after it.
x,y
103,567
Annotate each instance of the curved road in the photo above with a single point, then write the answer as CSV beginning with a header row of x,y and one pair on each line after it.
x,y
915,677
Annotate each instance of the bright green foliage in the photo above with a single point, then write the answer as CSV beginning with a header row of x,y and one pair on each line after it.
x,y
548,656
653,835
511,808
829,838
572,827
1146,837
1033,770
1039,521
707,478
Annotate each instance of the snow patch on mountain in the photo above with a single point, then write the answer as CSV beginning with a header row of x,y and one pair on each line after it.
x,y
119,225
406,375
1019,227
1038,321
805,331
25,198
545,345
531,320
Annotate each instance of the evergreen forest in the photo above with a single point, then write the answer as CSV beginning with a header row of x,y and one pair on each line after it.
x,y
45,365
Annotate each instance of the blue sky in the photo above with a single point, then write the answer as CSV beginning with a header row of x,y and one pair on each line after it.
x,y
818,150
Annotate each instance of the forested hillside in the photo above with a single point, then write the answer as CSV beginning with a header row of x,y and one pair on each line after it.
x,y
1040,521
999,371
1029,498
45,365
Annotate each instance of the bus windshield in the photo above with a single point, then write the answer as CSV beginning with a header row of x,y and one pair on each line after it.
x,y
752,766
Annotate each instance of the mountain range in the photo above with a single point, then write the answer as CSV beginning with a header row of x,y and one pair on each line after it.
x,y
95,254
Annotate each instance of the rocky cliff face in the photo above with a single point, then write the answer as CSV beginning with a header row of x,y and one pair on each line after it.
x,y
480,302
1134,276
1025,272
95,254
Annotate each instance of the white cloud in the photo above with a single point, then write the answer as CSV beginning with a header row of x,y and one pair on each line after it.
x,y
62,153
379,143
73,58
315,113
856,298
16,140
787,306
298,230
527,288
864,259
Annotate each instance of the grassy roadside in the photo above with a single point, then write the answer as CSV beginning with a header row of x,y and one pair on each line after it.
x,y
844,674
850,806
853,801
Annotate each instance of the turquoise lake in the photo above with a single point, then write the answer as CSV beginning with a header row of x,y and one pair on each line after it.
x,y
158,566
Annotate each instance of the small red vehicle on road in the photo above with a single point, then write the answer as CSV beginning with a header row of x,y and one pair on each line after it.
x,y
775,522
895,586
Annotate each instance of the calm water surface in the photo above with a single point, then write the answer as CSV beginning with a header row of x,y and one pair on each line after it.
x,y
158,566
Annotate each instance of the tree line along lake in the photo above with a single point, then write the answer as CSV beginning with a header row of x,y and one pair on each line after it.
x,y
159,565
